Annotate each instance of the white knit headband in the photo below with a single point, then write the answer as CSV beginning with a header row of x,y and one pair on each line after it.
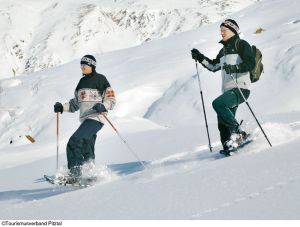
x,y
230,24
89,61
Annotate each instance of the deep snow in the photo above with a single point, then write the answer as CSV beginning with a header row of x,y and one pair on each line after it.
x,y
159,113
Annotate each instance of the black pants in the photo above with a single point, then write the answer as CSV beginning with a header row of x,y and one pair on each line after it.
x,y
81,145
226,106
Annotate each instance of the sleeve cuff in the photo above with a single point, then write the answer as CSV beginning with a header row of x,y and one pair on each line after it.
x,y
66,107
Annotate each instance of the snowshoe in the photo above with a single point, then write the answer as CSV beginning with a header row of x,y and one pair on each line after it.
x,y
71,180
225,152
234,149
236,140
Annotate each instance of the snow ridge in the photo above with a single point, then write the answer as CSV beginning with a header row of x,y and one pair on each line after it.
x,y
55,33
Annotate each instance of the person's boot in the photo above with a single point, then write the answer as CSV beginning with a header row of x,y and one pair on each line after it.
x,y
74,175
236,139
226,150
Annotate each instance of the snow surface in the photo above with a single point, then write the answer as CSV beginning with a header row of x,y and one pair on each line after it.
x,y
57,32
159,113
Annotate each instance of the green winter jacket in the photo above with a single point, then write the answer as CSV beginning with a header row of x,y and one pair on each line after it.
x,y
238,52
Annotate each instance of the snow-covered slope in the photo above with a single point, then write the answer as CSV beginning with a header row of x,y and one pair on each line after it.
x,y
156,87
41,34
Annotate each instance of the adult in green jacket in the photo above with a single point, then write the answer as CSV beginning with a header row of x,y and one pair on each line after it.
x,y
235,58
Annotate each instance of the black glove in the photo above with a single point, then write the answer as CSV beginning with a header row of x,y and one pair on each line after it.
x,y
197,55
99,107
58,108
229,69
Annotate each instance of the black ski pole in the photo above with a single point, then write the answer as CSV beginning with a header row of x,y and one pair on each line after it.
x,y
203,106
250,109
57,139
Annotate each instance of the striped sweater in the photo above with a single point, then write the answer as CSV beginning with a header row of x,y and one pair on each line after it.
x,y
91,89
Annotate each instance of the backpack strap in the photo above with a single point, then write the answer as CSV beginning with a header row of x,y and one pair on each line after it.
x,y
237,47
237,44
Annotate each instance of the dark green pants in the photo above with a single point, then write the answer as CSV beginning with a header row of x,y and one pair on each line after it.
x,y
226,106
81,145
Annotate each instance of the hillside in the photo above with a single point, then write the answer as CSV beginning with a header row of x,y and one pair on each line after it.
x,y
159,113
57,32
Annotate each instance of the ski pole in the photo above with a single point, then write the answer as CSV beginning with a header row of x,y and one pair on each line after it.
x,y
57,139
124,141
250,109
203,106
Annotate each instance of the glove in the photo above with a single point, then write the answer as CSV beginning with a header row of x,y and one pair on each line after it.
x,y
99,107
197,55
58,108
229,69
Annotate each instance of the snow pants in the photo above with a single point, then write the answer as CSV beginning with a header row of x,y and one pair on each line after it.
x,y
226,106
81,145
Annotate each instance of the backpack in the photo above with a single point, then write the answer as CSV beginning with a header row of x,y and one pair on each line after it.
x,y
259,67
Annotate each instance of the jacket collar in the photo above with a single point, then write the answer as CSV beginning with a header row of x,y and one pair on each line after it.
x,y
89,75
230,41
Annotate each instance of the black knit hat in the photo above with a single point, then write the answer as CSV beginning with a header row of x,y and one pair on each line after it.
x,y
89,60
232,25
